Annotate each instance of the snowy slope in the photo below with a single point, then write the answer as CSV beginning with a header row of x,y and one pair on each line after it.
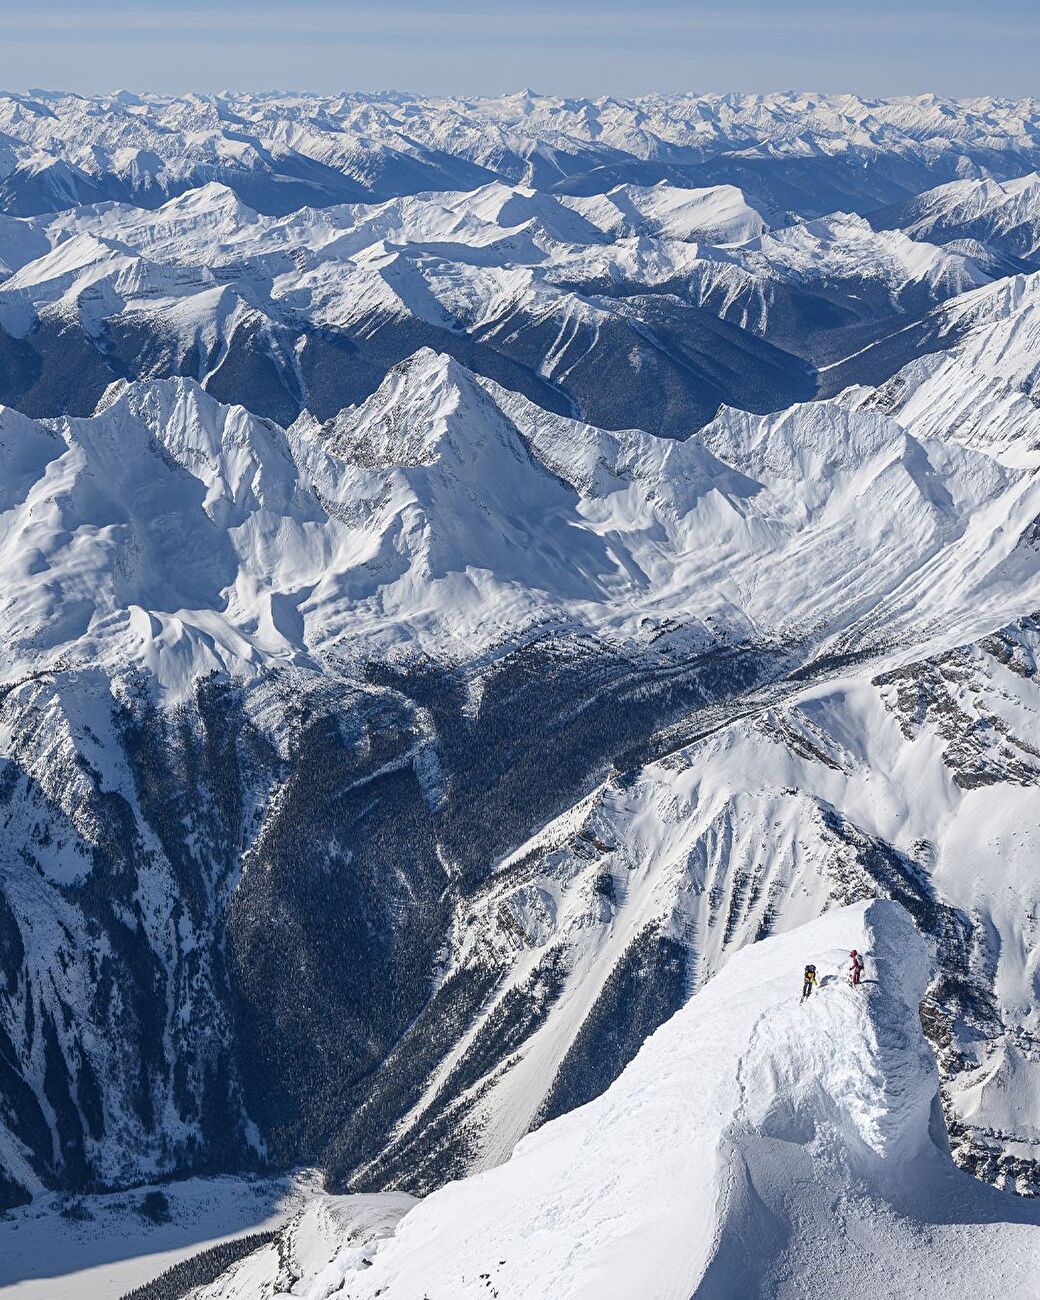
x,y
308,1244
1002,215
754,1146
180,535
979,381
720,214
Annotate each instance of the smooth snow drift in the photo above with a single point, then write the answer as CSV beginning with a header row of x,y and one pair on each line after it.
x,y
756,1146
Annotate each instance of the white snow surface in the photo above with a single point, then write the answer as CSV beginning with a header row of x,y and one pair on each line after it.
x,y
112,1248
757,1145
176,534
983,390
309,1244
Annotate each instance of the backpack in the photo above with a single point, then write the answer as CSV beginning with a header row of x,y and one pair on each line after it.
x,y
810,970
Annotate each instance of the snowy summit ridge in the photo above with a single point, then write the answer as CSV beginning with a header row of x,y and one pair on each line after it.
x,y
756,1146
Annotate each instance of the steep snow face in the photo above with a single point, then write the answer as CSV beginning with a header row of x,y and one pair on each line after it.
x,y
720,214
756,1145
983,387
309,1244
816,466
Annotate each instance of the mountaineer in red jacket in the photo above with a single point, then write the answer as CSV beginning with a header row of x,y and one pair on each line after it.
x,y
856,969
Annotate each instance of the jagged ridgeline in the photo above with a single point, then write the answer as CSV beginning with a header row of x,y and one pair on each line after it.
x,y
457,591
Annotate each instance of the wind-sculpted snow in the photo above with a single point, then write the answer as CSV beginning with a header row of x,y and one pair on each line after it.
x,y
755,1146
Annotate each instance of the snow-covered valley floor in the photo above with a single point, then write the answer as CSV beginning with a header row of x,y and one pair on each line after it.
x,y
112,1247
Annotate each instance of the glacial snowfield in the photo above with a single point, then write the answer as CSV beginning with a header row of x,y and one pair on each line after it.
x,y
488,588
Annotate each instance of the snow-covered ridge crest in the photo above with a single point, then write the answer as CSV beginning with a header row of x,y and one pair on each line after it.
x,y
110,258
449,514
755,1145
1005,215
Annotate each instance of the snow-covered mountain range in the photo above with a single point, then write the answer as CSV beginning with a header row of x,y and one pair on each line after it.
x,y
450,612
811,153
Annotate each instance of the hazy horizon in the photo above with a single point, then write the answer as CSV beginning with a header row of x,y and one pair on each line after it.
x,y
958,50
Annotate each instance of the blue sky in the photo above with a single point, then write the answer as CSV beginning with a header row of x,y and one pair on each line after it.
x,y
963,47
